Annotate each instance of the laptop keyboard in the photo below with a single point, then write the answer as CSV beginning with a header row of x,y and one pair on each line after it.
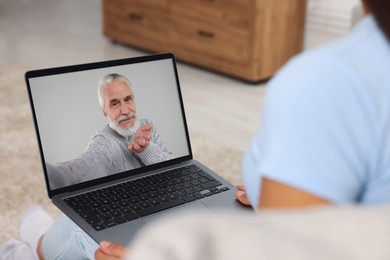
x,y
130,200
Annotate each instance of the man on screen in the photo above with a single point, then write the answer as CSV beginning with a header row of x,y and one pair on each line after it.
x,y
125,143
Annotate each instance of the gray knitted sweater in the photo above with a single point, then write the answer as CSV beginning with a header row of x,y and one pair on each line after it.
x,y
106,154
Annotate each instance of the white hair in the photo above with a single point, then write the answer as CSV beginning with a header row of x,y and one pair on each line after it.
x,y
124,131
107,79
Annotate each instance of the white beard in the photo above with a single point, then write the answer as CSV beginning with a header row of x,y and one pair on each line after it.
x,y
124,131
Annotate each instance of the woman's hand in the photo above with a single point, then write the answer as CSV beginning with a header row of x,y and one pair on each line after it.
x,y
110,251
241,195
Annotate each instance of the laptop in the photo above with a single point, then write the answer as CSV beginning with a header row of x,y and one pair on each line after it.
x,y
91,175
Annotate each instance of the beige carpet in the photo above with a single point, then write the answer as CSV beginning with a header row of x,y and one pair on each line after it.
x,y
21,177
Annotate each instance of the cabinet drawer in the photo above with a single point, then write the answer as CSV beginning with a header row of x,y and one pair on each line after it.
x,y
162,4
233,12
213,39
138,25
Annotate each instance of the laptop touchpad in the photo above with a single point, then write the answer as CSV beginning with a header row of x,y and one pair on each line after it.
x,y
193,207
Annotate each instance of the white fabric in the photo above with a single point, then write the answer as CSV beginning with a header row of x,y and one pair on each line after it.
x,y
16,250
34,223
323,233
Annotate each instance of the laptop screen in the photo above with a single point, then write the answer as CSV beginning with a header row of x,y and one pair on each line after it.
x,y
137,125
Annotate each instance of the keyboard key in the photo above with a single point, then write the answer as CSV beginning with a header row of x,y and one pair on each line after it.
x,y
116,213
94,220
99,226
133,201
116,199
119,220
178,181
181,193
131,216
209,177
171,189
203,174
154,202
124,196
144,204
95,204
152,188
83,208
93,198
109,223
143,198
195,176
124,203
198,195
123,190
135,207
198,188
84,200
185,172
105,216
193,169
104,209
114,206
195,182
189,191
113,192
90,213
152,195
211,184
187,185
105,201
203,180
179,187
163,199
143,191
134,193
187,178
74,204
224,189
68,199
160,207
104,195
189,198
125,210
160,193
132,187
172,196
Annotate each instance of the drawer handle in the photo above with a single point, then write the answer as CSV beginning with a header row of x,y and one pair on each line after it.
x,y
205,34
135,17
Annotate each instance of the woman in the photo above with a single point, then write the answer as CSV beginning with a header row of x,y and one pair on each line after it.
x,y
325,135
325,131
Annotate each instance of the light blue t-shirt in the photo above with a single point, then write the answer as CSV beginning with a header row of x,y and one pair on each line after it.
x,y
326,122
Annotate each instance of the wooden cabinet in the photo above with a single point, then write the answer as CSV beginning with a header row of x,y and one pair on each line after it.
x,y
247,39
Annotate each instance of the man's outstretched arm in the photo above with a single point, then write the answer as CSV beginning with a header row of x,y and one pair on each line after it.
x,y
148,146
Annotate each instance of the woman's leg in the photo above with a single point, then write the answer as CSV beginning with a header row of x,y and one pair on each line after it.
x,y
65,240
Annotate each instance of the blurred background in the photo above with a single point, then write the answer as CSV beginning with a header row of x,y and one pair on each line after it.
x,y
44,33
